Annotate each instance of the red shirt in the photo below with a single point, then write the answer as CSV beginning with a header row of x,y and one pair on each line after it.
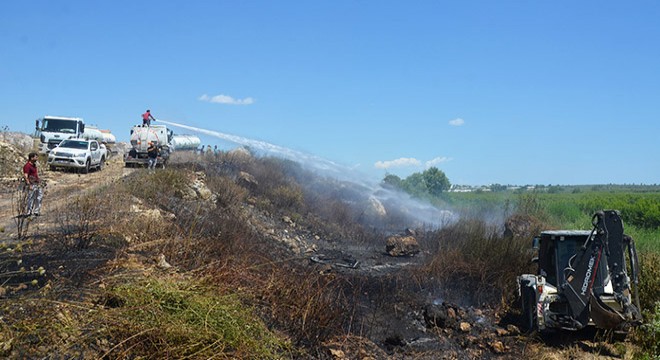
x,y
146,116
31,170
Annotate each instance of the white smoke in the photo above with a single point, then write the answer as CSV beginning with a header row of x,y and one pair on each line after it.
x,y
423,212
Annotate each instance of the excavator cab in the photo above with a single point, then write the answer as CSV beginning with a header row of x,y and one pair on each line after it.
x,y
582,278
556,248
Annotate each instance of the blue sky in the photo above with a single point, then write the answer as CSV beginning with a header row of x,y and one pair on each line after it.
x,y
511,92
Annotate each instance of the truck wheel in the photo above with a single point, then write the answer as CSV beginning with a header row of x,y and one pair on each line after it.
x,y
85,170
528,302
52,168
101,163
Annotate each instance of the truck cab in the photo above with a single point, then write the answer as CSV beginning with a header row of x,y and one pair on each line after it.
x,y
51,130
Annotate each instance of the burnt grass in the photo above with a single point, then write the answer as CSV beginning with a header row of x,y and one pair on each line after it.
x,y
322,278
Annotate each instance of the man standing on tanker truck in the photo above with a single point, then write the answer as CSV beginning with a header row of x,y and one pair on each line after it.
x,y
146,118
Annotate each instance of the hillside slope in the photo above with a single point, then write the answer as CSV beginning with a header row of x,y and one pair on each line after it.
x,y
233,256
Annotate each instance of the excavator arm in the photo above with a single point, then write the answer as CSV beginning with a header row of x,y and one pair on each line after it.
x,y
607,243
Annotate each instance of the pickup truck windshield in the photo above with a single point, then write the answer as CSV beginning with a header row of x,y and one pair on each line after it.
x,y
55,125
73,144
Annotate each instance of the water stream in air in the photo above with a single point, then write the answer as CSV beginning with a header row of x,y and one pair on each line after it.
x,y
422,212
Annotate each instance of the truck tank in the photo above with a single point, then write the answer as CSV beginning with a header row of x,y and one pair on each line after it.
x,y
92,133
109,141
108,137
185,142
142,135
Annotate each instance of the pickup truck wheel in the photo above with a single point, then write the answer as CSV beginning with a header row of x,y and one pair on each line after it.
x,y
52,168
85,170
101,163
528,302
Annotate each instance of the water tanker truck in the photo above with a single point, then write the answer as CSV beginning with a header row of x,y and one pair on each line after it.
x,y
163,138
51,130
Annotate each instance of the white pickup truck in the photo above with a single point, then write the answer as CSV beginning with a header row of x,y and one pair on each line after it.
x,y
79,154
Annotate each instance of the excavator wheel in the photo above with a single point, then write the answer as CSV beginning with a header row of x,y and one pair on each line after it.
x,y
528,316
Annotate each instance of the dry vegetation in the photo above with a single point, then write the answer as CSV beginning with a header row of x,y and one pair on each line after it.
x,y
182,263
476,254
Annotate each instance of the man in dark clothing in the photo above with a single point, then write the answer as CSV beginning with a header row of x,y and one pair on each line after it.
x,y
152,153
146,118
35,192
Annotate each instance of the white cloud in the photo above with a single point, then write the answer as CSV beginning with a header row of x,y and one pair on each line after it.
x,y
457,122
436,161
397,163
225,99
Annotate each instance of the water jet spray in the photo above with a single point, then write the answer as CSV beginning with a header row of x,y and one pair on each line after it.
x,y
423,213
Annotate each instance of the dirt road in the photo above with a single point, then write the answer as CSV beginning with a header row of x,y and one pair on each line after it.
x,y
60,187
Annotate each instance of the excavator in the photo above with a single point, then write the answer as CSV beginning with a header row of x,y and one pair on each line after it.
x,y
582,279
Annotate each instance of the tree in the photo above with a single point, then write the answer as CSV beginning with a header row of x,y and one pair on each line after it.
x,y
435,181
393,181
415,185
430,182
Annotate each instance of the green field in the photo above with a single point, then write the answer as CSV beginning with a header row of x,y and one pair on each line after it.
x,y
640,210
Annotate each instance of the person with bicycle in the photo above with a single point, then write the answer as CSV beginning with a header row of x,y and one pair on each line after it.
x,y
33,184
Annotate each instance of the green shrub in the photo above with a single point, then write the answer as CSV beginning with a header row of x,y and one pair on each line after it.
x,y
287,197
531,204
649,282
229,195
159,186
169,318
647,336
638,209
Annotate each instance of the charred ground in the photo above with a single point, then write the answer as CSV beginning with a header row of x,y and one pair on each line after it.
x,y
234,256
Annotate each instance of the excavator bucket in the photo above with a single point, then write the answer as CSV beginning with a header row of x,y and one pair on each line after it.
x,y
603,315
